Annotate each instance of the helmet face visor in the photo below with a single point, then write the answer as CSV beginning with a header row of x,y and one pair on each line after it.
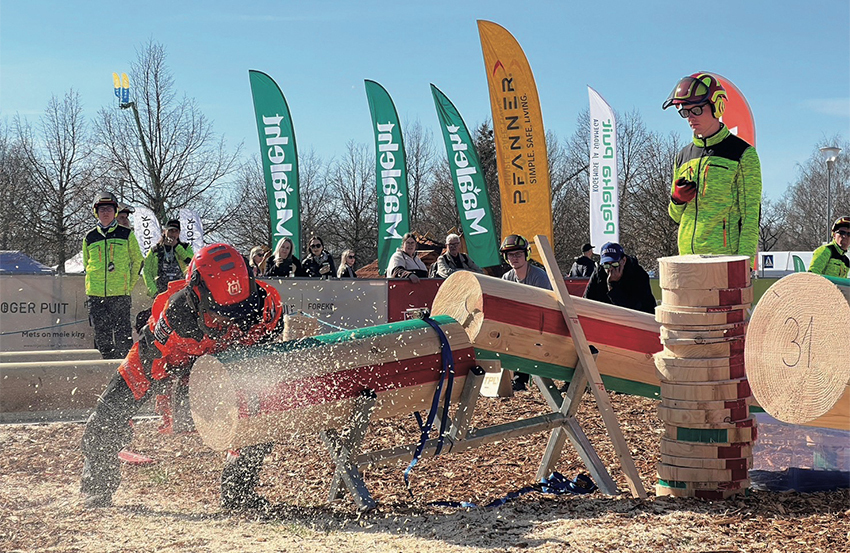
x,y
689,90
244,314
514,242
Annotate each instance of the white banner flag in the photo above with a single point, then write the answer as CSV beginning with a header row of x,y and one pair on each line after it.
x,y
191,229
147,229
604,197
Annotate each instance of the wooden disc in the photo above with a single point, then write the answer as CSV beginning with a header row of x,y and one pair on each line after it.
x,y
704,335
690,474
796,348
711,495
704,405
742,463
697,418
704,271
720,390
700,351
711,435
701,316
709,298
674,373
706,451
297,326
697,363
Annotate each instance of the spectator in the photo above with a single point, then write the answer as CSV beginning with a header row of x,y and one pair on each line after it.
x,y
283,264
584,265
716,194
258,258
454,260
831,259
515,251
620,280
346,265
219,306
167,260
123,216
318,263
404,263
112,261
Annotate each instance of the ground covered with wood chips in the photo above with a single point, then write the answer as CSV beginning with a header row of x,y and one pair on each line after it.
x,y
173,505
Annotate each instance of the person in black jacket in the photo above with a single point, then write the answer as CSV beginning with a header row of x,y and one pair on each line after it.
x,y
620,280
584,265
284,264
318,263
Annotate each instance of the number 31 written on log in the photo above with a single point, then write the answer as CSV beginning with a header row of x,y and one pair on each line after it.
x,y
800,343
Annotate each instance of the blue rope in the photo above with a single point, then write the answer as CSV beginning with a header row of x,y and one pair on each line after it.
x,y
556,484
447,372
42,328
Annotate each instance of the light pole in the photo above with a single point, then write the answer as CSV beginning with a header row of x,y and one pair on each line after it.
x,y
829,154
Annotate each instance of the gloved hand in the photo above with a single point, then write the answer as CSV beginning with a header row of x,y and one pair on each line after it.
x,y
683,191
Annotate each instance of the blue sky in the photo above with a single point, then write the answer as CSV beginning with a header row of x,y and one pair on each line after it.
x,y
790,59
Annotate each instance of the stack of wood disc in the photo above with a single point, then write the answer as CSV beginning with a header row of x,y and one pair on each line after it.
x,y
706,450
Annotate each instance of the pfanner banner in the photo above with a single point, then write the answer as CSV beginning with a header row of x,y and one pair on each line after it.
x,y
280,158
391,174
191,229
521,157
147,229
604,198
473,202
737,115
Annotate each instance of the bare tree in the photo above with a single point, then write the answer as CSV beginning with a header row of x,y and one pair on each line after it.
x,y
354,224
18,213
317,210
421,156
772,224
169,156
252,225
59,158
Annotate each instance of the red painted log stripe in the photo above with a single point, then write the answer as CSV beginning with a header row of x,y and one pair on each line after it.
x,y
551,321
337,386
738,274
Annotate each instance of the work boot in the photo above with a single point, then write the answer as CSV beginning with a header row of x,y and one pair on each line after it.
x,y
97,501
240,477
243,500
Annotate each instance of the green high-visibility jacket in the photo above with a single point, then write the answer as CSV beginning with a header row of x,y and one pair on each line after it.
x,y
830,260
182,252
112,260
724,216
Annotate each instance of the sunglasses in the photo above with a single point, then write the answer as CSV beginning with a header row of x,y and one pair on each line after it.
x,y
608,266
351,257
842,233
696,110
315,246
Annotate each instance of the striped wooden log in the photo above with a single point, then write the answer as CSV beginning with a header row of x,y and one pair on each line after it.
x,y
255,395
701,316
708,298
704,335
797,350
523,327
704,272
690,474
728,348
742,463
706,450
699,418
721,390
679,374
707,405
713,435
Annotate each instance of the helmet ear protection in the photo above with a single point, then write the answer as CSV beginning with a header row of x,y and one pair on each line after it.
x,y
696,89
514,242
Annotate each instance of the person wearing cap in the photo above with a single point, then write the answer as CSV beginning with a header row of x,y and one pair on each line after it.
x,y
404,263
112,260
123,216
620,280
716,193
167,260
453,259
584,265
831,259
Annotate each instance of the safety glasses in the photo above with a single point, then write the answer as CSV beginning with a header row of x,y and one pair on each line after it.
x,y
609,266
696,110
842,233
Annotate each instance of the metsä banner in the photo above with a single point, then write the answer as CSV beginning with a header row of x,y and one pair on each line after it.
x,y
191,229
391,173
280,158
521,157
147,229
473,202
604,197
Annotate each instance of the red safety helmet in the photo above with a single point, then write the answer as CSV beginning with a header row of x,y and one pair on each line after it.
x,y
223,285
514,242
699,88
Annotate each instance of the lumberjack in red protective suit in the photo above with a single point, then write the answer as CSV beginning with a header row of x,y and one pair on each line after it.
x,y
218,306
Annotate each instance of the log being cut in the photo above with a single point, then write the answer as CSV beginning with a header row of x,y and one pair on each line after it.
x,y
256,395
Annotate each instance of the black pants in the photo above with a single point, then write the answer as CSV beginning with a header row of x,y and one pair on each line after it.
x,y
110,316
108,431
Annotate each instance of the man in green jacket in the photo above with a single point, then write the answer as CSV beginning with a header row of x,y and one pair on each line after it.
x,y
831,259
716,192
112,260
167,260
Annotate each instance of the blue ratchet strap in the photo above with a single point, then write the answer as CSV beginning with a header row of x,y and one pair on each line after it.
x,y
447,373
556,484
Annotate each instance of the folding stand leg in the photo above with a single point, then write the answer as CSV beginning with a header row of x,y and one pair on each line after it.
x,y
466,405
344,454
